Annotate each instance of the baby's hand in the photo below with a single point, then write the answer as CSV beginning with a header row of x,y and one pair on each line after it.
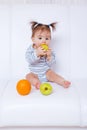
x,y
40,51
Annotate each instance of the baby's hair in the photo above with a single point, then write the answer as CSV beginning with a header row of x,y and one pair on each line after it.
x,y
53,25
35,26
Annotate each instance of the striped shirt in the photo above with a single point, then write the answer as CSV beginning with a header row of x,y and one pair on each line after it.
x,y
38,65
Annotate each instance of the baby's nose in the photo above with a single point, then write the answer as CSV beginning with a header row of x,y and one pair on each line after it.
x,y
44,41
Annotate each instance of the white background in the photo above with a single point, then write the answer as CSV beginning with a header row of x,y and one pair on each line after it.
x,y
69,41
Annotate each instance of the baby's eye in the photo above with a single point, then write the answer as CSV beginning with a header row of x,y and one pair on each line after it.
x,y
40,38
47,38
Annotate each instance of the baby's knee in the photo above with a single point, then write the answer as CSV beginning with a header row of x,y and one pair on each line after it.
x,y
28,76
49,74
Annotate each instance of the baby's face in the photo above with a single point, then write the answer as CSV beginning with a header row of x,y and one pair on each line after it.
x,y
41,37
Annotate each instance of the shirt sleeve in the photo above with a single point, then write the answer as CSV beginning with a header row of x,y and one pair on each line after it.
x,y
31,56
52,61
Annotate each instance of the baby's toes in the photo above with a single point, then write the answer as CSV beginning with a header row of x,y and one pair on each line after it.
x,y
37,85
66,84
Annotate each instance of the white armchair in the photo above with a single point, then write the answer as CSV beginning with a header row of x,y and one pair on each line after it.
x,y
64,108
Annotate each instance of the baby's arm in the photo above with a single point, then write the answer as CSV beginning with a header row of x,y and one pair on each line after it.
x,y
40,51
31,55
50,58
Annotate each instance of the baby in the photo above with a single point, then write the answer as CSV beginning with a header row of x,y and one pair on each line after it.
x,y
41,60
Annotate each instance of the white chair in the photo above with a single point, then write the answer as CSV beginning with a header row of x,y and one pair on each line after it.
x,y
64,108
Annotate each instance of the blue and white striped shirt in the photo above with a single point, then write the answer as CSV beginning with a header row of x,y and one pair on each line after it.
x,y
38,65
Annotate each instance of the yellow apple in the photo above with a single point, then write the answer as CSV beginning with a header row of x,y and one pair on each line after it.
x,y
46,89
44,46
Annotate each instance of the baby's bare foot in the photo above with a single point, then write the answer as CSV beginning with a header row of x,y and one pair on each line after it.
x,y
66,83
35,82
37,85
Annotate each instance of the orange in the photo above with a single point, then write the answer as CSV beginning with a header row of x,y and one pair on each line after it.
x,y
23,87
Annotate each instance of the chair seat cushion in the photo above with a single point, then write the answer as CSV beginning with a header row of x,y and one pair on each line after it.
x,y
61,108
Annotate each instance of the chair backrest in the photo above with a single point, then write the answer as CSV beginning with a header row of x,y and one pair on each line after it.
x,y
68,41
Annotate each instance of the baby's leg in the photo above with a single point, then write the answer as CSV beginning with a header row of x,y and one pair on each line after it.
x,y
33,78
53,77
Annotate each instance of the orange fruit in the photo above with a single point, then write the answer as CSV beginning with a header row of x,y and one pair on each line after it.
x,y
23,87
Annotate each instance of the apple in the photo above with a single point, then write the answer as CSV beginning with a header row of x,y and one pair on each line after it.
x,y
46,88
44,46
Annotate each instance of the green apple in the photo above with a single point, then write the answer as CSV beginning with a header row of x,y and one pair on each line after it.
x,y
46,88
44,46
